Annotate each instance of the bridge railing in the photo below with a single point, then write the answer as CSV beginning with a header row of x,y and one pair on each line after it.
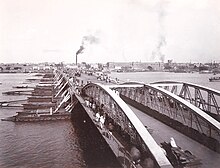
x,y
127,125
205,98
183,115
64,87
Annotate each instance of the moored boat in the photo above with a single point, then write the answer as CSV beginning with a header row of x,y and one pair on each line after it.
x,y
214,79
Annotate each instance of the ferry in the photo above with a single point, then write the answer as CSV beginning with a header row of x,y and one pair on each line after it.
x,y
214,79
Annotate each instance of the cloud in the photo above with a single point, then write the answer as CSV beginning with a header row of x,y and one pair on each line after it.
x,y
116,30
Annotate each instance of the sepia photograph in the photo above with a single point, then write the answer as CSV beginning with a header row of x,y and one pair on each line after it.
x,y
109,84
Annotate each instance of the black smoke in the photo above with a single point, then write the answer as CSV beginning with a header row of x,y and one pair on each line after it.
x,y
88,39
81,48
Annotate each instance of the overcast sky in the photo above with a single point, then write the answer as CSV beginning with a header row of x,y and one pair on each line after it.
x,y
125,30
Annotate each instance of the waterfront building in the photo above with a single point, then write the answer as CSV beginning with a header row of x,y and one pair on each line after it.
x,y
132,66
24,68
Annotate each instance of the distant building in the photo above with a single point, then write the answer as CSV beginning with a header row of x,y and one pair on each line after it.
x,y
150,66
24,68
15,68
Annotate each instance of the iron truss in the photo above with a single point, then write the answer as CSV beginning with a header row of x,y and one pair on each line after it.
x,y
174,107
205,98
64,89
116,109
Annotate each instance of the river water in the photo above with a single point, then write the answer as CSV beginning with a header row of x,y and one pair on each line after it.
x,y
49,144
66,144
148,77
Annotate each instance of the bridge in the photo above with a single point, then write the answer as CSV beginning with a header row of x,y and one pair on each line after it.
x,y
174,111
205,98
190,109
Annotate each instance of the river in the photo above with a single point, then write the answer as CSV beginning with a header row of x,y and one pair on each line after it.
x,y
49,144
148,77
66,144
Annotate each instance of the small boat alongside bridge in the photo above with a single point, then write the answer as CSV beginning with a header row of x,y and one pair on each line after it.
x,y
214,79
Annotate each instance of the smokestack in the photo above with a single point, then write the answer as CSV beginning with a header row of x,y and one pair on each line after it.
x,y
79,52
89,39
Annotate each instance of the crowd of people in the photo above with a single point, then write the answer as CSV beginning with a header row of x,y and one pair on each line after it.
x,y
101,117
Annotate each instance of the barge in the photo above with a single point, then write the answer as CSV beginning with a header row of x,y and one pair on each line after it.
x,y
41,105
30,117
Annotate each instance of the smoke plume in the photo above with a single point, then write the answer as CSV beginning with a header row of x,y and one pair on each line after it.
x,y
89,39
157,52
81,48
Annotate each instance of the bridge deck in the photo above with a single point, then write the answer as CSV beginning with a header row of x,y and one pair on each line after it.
x,y
161,132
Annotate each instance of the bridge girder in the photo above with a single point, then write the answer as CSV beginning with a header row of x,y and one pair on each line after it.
x,y
123,116
174,107
205,98
64,88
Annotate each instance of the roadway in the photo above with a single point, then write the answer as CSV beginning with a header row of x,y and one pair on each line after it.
x,y
161,132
